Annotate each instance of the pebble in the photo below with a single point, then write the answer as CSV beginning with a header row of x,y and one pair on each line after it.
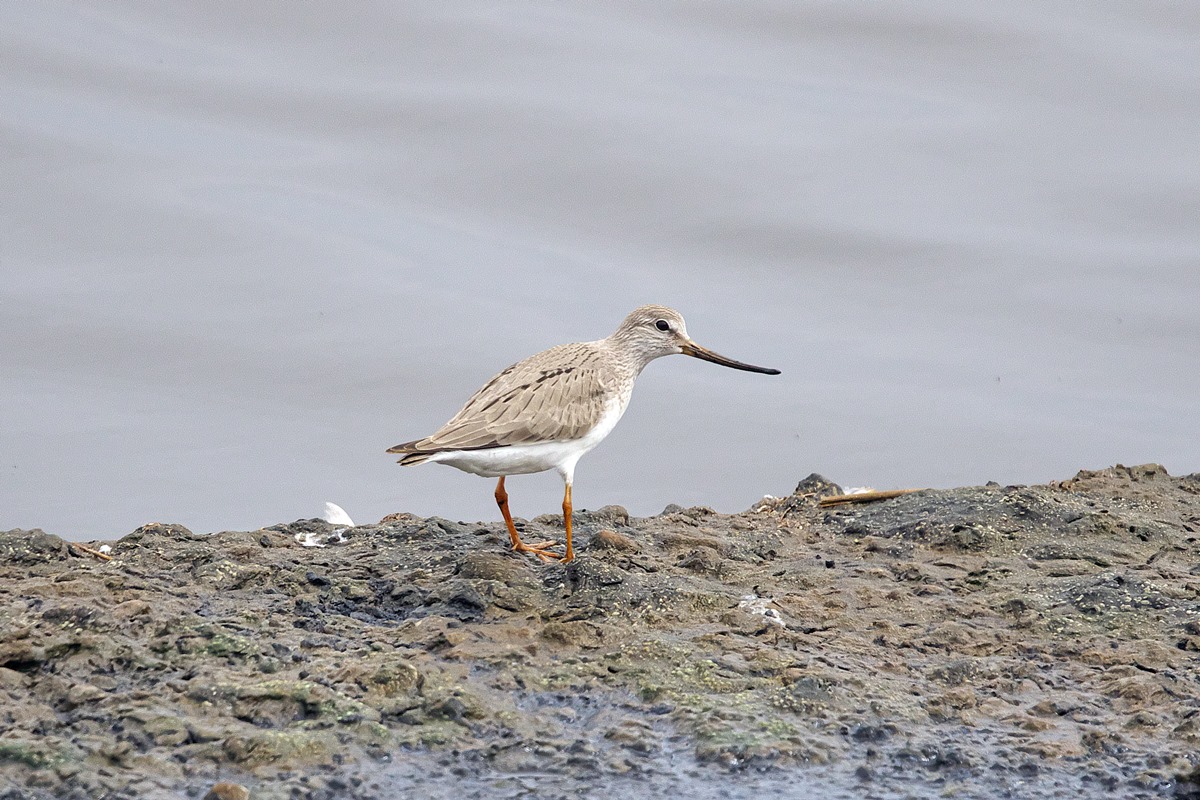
x,y
227,791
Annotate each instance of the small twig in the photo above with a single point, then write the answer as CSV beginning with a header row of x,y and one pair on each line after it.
x,y
863,497
85,549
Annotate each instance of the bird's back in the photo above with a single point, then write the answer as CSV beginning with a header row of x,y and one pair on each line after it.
x,y
558,394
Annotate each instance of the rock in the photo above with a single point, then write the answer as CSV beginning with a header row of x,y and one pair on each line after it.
x,y
610,515
227,791
815,486
13,681
497,567
154,532
129,609
402,517
386,675
26,548
702,559
592,573
607,539
578,633
167,731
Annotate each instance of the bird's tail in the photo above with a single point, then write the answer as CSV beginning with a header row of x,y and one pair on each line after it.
x,y
412,455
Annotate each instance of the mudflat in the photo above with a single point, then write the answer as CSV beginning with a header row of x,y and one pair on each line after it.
x,y
1032,641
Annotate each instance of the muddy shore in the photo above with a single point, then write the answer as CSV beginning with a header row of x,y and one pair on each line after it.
x,y
1024,641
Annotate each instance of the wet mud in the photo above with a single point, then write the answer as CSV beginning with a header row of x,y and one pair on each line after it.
x,y
1023,641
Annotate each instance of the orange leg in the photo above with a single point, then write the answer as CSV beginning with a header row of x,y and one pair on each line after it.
x,y
538,549
570,556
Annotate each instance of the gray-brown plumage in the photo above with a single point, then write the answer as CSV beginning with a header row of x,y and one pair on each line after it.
x,y
557,395
547,411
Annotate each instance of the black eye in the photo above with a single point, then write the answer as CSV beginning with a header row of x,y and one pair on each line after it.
x,y
663,325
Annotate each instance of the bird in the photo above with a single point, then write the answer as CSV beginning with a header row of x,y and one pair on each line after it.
x,y
547,411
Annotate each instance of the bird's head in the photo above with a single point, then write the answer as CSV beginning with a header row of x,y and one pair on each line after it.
x,y
650,332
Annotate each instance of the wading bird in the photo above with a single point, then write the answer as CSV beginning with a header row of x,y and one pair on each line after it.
x,y
547,411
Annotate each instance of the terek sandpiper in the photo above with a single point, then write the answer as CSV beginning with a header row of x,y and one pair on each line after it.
x,y
547,411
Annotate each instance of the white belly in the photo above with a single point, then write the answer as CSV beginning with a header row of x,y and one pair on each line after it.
x,y
522,459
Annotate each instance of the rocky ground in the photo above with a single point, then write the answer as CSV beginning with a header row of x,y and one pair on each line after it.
x,y
1023,641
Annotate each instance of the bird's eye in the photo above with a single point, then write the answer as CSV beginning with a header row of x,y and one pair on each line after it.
x,y
663,325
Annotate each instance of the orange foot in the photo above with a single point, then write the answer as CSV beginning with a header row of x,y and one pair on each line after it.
x,y
539,550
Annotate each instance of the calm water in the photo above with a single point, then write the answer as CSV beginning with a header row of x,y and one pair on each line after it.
x,y
244,248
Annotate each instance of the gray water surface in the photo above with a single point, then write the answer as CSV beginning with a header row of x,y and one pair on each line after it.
x,y
244,248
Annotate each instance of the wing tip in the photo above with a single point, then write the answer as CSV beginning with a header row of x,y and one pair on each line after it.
x,y
412,454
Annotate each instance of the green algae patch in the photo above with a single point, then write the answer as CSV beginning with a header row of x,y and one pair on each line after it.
x,y
428,733
380,678
283,703
210,640
31,753
224,644
280,748
705,674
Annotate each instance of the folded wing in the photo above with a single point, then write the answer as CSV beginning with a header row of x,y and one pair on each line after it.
x,y
556,395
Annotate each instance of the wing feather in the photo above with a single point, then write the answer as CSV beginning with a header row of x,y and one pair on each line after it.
x,y
556,395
